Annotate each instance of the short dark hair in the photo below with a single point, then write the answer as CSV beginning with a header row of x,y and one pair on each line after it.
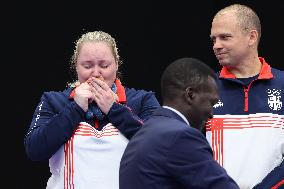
x,y
182,73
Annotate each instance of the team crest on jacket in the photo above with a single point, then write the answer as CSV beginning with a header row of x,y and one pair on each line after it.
x,y
218,104
274,99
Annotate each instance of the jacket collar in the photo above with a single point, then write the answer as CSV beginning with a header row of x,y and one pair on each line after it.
x,y
168,113
265,72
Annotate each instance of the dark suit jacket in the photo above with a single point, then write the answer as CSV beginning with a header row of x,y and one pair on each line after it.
x,y
166,153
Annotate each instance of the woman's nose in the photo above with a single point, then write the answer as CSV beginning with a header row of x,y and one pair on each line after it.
x,y
96,72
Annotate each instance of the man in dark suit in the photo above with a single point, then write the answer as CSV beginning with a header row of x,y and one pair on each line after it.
x,y
170,151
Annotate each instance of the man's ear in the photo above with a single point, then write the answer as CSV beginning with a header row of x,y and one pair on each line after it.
x,y
189,94
253,37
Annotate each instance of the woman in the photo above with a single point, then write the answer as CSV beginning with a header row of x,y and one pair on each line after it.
x,y
84,130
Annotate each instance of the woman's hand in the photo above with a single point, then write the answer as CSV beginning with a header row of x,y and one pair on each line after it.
x,y
102,95
84,95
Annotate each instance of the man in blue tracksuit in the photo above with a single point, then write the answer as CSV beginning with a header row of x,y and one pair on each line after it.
x,y
247,130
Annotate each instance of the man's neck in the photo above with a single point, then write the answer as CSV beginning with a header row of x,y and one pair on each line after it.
x,y
246,69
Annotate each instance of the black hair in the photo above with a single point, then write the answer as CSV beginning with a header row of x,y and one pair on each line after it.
x,y
182,73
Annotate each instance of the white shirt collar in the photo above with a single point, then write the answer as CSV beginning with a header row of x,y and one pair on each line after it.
x,y
180,114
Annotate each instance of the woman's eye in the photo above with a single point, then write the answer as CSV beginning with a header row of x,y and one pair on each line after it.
x,y
104,66
87,66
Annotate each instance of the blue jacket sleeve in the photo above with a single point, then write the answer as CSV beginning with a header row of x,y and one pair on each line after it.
x,y
128,118
275,179
53,123
191,162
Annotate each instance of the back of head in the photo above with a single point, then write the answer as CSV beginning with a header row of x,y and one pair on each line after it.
x,y
247,18
182,73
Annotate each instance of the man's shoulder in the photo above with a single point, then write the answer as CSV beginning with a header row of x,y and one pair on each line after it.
x,y
165,122
277,73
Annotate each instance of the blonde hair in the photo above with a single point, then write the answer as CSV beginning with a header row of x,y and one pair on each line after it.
x,y
95,36
246,17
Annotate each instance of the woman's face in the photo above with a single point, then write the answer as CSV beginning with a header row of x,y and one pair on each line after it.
x,y
95,59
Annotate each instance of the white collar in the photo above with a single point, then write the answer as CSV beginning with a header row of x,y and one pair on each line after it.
x,y
176,111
